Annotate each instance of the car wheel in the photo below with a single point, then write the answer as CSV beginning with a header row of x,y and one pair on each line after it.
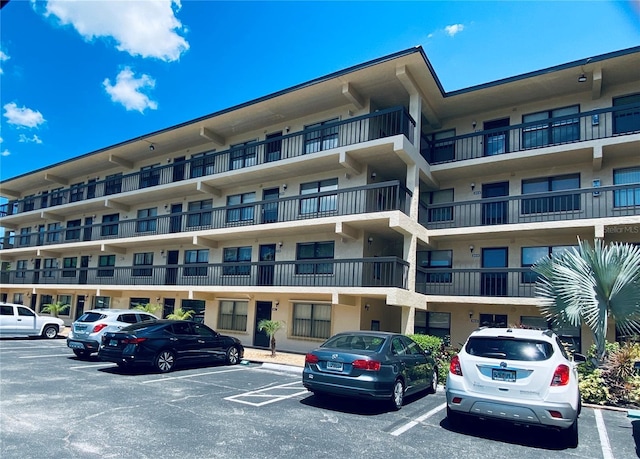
x,y
165,361
433,387
81,354
122,364
456,420
50,331
397,395
571,435
233,355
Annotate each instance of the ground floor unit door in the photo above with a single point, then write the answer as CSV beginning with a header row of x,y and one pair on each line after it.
x,y
263,312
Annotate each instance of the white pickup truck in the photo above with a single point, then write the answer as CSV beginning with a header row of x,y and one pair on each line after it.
x,y
18,320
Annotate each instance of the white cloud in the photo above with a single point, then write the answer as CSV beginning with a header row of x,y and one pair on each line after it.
x,y
5,152
146,28
24,139
128,90
454,29
22,117
3,57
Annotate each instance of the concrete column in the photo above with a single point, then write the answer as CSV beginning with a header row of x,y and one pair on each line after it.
x,y
408,315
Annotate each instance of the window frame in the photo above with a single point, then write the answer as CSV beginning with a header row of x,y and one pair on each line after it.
x,y
233,315
317,249
313,325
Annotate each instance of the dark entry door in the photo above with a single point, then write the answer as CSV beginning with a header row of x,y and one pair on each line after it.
x,y
79,306
266,265
495,212
178,169
263,312
496,142
84,267
270,206
273,147
175,223
494,283
88,227
171,275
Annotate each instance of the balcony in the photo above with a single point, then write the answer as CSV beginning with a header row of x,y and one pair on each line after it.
x,y
366,272
378,125
496,282
387,196
590,203
582,127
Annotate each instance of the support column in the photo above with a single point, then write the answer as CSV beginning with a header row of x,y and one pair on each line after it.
x,y
408,315
415,110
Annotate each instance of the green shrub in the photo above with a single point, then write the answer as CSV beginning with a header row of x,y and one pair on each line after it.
x,y
439,351
593,388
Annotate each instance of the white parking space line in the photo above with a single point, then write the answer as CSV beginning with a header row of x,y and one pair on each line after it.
x,y
40,356
169,378
80,367
415,422
604,437
9,348
270,394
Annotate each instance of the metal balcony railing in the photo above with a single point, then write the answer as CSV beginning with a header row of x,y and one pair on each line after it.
x,y
498,282
580,127
601,202
381,124
377,197
365,272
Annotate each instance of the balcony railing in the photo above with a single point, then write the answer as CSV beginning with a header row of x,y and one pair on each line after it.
x,y
580,127
498,282
365,272
380,197
381,124
601,202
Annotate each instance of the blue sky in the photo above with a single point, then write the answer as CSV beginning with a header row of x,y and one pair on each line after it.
x,y
77,76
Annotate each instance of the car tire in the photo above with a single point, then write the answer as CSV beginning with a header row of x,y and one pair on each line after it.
x,y
81,354
122,364
397,395
165,361
570,435
50,332
233,356
456,420
433,387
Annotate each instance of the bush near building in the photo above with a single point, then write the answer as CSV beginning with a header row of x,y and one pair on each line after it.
x,y
440,351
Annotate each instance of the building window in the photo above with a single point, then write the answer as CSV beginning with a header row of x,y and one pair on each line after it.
x,y
326,203
45,300
135,302
194,261
147,220
240,214
110,225
48,267
311,320
233,315
18,298
440,213
57,196
149,176
105,265
73,230
65,299
44,199
531,255
235,255
314,251
54,230
549,131
199,213
243,155
557,203
202,164
69,265
493,320
142,263
102,302
113,184
76,192
628,196
322,136
21,268
25,237
435,259
441,147
626,120
433,324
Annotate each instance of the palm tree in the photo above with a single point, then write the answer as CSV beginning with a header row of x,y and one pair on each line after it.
x,y
151,308
181,314
55,308
271,327
592,284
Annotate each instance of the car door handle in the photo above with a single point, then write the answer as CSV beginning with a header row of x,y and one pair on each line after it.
x,y
173,339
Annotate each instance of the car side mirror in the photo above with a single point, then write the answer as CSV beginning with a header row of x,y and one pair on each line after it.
x,y
427,352
577,357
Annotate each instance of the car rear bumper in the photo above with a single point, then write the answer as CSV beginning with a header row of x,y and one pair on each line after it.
x,y
83,345
347,387
533,412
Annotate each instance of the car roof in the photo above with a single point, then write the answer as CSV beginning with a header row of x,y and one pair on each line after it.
x,y
489,332
381,334
116,311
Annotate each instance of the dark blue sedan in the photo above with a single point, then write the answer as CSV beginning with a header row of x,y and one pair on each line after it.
x,y
369,364
166,343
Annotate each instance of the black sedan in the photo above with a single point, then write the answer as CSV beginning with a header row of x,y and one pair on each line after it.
x,y
166,343
370,364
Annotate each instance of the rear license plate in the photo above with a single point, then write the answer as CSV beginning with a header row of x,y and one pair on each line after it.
x,y
503,375
74,345
113,342
334,366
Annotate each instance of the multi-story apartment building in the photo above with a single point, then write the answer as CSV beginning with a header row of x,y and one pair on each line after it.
x,y
368,198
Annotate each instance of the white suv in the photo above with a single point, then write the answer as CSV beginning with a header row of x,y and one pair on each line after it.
x,y
517,375
86,332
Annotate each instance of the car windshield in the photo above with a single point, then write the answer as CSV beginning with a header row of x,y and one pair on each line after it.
x,y
91,317
140,326
355,342
509,348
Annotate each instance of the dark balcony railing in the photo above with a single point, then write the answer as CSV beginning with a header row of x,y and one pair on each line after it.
x,y
381,124
498,282
378,197
580,127
601,202
366,272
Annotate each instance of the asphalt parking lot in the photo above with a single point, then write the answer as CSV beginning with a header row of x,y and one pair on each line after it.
x,y
54,405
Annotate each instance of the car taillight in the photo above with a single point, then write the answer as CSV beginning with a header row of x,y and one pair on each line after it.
x,y
310,358
368,365
454,366
133,340
98,327
561,376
